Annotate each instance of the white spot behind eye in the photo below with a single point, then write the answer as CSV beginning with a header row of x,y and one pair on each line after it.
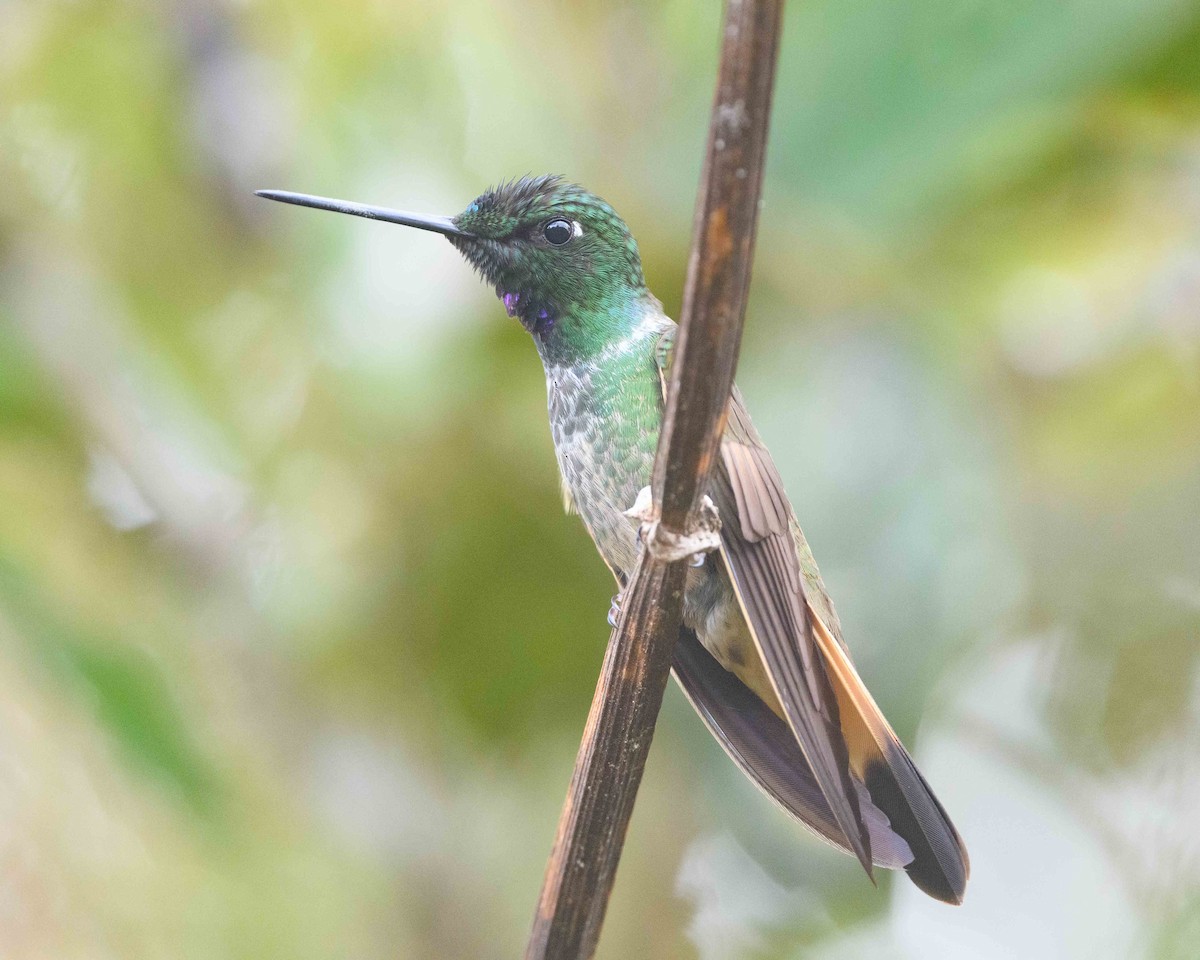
x,y
576,229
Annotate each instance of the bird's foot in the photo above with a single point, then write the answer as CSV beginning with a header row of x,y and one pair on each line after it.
x,y
614,610
670,545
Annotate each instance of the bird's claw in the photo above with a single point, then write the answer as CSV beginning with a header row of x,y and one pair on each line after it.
x,y
669,545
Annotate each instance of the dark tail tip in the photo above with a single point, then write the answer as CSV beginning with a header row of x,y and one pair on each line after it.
x,y
931,879
940,865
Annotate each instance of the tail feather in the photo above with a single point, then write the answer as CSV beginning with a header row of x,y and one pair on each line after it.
x,y
940,865
765,749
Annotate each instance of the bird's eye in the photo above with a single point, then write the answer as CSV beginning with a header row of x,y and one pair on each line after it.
x,y
558,232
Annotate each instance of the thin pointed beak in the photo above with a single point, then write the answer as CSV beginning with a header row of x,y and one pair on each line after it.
x,y
442,225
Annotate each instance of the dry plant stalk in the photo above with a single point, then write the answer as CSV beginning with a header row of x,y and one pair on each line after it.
x,y
620,725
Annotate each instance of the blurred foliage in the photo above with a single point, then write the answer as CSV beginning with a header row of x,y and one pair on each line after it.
x,y
295,641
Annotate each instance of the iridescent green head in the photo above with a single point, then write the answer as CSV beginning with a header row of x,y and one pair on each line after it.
x,y
550,248
559,257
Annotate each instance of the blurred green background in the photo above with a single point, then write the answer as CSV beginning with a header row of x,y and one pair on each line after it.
x,y
296,643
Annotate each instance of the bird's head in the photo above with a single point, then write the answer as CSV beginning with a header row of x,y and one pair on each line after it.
x,y
552,250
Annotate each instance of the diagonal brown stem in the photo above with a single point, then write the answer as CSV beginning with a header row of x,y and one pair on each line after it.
x,y
616,740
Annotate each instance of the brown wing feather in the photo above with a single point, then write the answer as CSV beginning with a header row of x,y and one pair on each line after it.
x,y
766,577
843,736
763,506
760,554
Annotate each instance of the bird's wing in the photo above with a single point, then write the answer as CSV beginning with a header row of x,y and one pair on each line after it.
x,y
757,547
766,751
842,735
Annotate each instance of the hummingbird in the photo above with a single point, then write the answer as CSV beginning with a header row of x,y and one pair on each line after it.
x,y
760,654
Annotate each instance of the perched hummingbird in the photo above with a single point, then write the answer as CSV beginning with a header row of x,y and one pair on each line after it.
x,y
760,655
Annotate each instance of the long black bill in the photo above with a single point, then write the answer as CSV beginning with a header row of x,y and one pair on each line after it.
x,y
442,225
